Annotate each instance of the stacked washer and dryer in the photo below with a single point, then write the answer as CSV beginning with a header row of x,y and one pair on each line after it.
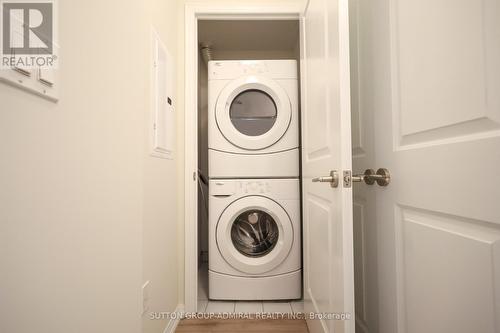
x,y
254,196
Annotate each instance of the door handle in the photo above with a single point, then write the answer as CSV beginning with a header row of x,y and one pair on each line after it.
x,y
333,179
382,177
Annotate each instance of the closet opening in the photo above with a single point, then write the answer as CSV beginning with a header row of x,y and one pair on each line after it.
x,y
248,150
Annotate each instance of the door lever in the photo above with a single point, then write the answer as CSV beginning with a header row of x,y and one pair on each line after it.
x,y
382,177
333,179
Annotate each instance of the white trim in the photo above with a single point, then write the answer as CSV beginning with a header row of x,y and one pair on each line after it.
x,y
346,158
174,320
208,11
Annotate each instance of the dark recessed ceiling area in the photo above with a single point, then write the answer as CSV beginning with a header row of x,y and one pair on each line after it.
x,y
249,35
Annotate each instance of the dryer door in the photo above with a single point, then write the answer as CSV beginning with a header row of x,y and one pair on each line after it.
x,y
254,234
253,112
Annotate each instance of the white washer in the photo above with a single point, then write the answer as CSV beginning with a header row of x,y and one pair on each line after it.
x,y
254,239
253,119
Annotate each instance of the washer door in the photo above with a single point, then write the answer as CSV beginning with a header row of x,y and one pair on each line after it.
x,y
254,234
253,112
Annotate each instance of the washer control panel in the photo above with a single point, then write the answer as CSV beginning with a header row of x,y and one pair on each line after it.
x,y
286,189
255,187
227,188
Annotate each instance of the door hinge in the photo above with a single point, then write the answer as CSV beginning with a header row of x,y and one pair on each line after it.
x,y
194,175
347,176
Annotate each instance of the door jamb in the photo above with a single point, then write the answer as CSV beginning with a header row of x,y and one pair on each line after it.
x,y
194,12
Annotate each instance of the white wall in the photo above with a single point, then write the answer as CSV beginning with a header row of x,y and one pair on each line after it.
x,y
86,216
160,257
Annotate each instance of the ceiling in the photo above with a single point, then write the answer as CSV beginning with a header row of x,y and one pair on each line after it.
x,y
276,35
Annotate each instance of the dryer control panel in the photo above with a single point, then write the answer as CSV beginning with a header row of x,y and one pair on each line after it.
x,y
232,69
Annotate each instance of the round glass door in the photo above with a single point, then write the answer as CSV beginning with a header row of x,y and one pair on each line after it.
x,y
253,112
254,233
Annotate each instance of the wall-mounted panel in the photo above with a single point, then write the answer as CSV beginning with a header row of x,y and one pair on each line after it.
x,y
163,118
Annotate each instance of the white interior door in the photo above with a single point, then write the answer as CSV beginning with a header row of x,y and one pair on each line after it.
x,y
326,144
426,106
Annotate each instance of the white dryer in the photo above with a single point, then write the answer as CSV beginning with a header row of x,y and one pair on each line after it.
x,y
254,239
253,119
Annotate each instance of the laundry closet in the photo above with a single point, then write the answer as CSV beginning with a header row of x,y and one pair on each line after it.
x,y
249,199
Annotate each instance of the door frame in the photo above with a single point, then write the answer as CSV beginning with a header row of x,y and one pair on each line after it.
x,y
285,10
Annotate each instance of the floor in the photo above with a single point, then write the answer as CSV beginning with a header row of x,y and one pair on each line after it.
x,y
207,306
241,326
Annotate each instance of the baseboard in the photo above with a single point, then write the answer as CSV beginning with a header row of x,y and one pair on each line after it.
x,y
173,322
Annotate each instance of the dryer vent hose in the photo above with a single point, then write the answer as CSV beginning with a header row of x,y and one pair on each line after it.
x,y
206,53
203,181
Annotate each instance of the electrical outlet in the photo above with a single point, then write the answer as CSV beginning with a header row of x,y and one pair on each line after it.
x,y
145,297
